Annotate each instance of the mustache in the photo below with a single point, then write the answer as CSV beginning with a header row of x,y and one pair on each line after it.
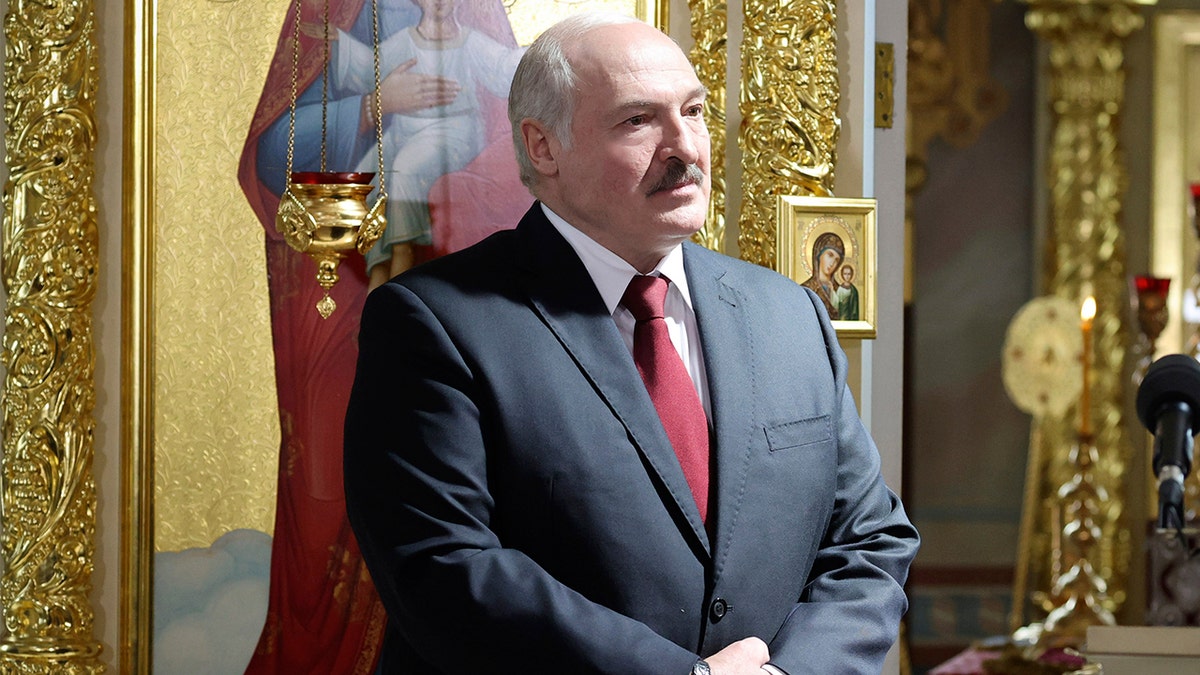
x,y
677,174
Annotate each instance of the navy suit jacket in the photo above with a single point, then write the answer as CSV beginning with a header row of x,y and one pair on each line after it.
x,y
521,510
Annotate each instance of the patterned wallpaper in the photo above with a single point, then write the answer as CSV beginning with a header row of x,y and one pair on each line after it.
x,y
216,426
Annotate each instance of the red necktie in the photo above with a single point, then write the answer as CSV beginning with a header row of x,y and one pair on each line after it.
x,y
668,382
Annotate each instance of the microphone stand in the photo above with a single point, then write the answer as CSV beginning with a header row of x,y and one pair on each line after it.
x,y
1172,461
1170,499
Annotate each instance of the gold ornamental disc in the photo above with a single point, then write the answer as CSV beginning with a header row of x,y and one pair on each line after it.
x,y
1042,363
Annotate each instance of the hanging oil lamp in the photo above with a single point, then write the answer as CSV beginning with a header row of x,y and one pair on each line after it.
x,y
325,213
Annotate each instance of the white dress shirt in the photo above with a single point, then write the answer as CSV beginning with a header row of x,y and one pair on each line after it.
x,y
612,274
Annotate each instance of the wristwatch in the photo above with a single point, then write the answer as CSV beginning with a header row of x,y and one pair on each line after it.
x,y
701,668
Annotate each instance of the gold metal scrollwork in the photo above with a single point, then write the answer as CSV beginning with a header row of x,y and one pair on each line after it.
x,y
710,23
789,99
49,273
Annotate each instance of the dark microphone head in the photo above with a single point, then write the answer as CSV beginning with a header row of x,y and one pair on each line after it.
x,y
1173,378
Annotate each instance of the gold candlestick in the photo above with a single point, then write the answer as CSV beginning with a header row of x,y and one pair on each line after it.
x,y
1078,592
1086,315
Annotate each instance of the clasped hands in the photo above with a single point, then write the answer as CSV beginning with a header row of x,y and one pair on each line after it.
x,y
744,657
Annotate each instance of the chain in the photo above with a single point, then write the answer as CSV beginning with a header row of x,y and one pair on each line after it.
x,y
378,98
325,83
378,103
291,148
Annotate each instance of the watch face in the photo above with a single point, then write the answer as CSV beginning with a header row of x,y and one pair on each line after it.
x,y
701,668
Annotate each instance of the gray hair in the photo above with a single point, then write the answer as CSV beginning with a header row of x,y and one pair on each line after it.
x,y
544,85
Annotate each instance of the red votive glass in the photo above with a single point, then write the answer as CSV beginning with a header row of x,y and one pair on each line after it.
x,y
1151,285
332,177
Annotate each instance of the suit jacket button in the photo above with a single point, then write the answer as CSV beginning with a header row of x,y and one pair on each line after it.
x,y
717,610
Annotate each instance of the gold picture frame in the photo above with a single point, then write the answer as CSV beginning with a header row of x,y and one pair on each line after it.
x,y
166,41
843,272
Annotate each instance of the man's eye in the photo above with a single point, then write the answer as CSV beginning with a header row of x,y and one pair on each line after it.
x,y
695,111
636,120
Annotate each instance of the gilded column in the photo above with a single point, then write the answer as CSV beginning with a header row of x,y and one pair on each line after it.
x,y
49,273
709,24
1084,578
789,98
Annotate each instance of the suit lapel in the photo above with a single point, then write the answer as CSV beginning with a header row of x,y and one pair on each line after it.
x,y
562,293
726,339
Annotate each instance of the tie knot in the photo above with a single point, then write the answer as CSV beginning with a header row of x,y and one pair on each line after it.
x,y
644,297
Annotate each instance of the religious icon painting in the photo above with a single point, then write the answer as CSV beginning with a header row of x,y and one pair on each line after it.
x,y
827,244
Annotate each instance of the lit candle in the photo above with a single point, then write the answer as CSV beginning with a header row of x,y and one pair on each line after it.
x,y
1086,315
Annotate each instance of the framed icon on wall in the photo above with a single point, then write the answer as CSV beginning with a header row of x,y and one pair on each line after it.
x,y
827,244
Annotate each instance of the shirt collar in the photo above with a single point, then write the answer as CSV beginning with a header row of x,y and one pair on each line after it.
x,y
609,271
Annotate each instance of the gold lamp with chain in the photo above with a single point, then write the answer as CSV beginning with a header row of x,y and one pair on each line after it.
x,y
325,213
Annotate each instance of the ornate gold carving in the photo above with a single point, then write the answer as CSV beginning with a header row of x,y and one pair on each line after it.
x,y
789,99
1080,594
1087,174
710,22
49,273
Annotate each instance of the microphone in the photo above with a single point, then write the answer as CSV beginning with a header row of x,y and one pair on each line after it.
x,y
1168,404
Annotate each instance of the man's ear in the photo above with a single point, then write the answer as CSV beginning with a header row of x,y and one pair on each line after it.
x,y
541,146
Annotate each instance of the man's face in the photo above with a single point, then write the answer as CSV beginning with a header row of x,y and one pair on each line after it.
x,y
638,126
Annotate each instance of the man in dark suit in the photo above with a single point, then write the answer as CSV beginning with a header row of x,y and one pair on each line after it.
x,y
527,497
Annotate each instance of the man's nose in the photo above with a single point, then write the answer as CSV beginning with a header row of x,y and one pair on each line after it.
x,y
682,139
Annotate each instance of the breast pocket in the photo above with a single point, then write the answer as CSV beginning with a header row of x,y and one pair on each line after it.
x,y
801,434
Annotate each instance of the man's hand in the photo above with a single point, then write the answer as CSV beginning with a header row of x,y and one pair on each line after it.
x,y
744,657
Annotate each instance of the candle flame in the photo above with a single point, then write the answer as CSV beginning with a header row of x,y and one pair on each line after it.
x,y
1089,309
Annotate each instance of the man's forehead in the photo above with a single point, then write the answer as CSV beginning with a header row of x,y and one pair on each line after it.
x,y
640,81
608,51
